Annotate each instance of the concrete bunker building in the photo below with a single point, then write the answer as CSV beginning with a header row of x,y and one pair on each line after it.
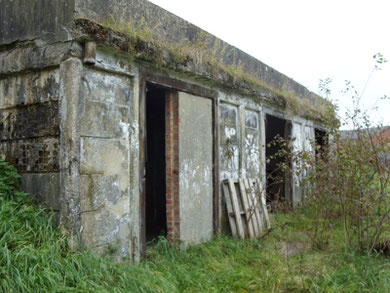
x,y
125,119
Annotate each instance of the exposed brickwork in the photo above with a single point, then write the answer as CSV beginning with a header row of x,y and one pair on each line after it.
x,y
172,165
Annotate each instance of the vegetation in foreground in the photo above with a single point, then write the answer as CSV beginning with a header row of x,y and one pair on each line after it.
x,y
35,257
326,245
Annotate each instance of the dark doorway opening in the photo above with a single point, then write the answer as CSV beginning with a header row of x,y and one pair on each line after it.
x,y
155,203
321,142
278,183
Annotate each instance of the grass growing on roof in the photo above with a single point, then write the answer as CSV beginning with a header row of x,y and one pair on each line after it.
x,y
201,57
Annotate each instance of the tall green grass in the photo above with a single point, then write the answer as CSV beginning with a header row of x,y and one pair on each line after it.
x,y
35,257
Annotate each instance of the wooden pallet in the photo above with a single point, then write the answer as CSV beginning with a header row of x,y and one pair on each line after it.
x,y
246,206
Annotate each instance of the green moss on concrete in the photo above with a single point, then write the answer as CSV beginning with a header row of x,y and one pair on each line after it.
x,y
197,58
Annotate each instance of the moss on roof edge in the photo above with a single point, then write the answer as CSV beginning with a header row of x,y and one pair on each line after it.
x,y
197,59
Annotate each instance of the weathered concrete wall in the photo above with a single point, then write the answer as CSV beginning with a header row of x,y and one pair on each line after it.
x,y
303,136
45,188
69,105
195,168
164,23
175,29
67,130
308,139
105,160
73,132
241,143
72,129
53,20
229,151
251,142
29,130
29,19
298,144
35,56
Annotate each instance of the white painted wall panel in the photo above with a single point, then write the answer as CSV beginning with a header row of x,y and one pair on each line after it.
x,y
195,168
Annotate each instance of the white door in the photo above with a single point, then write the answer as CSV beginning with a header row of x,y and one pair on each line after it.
x,y
195,168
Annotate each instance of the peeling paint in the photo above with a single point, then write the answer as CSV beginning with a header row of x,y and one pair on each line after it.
x,y
195,168
107,87
298,146
95,111
106,144
252,145
229,141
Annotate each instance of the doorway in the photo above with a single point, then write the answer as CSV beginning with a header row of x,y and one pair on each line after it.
x,y
177,141
278,183
155,164
321,142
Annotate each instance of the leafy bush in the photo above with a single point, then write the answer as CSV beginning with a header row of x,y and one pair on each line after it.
x,y
348,180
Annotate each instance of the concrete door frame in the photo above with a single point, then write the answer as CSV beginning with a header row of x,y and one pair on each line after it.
x,y
287,137
173,86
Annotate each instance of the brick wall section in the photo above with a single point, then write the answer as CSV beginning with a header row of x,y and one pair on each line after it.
x,y
172,165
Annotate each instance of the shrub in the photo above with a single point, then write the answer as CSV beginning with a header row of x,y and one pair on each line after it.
x,y
349,180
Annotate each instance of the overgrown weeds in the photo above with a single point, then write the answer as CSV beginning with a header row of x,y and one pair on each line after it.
x,y
348,179
35,257
351,180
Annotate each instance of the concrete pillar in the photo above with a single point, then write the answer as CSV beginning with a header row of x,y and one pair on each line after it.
x,y
69,160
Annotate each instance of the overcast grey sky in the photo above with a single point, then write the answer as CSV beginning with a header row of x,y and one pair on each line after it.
x,y
307,40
